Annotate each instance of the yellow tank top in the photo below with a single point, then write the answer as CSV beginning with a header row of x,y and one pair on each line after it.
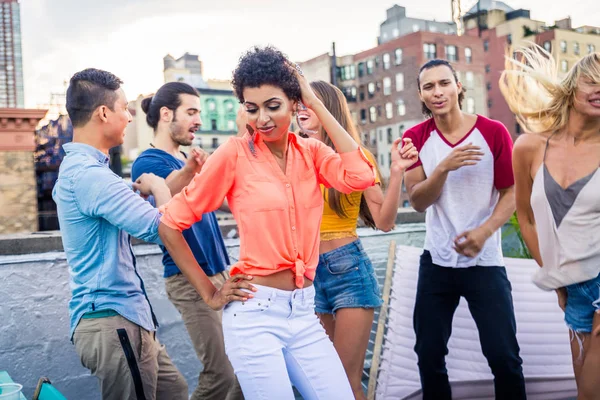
x,y
335,227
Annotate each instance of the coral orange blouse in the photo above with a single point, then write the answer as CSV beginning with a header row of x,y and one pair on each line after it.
x,y
278,214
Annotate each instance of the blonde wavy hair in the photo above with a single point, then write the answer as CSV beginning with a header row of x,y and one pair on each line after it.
x,y
541,100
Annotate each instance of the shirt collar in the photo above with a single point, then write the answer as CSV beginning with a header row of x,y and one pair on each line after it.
x,y
87,150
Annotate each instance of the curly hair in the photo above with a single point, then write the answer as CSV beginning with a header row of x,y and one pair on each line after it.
x,y
265,66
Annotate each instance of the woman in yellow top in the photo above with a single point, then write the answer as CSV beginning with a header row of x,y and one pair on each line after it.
x,y
346,287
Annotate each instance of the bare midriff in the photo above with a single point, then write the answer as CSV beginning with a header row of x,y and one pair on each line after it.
x,y
284,280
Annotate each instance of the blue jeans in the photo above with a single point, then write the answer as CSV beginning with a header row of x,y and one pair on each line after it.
x,y
275,340
583,301
488,294
345,279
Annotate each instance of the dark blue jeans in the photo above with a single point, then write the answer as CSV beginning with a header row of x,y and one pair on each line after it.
x,y
488,294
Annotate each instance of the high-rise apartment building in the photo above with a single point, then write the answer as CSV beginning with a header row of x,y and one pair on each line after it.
x,y
11,63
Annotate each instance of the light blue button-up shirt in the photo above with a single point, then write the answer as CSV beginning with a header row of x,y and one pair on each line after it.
x,y
97,213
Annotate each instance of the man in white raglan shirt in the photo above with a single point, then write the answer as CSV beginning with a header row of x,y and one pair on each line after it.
x,y
464,180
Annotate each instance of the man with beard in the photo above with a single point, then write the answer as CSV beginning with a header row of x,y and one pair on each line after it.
x,y
174,114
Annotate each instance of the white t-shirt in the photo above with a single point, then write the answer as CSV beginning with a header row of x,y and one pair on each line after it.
x,y
470,193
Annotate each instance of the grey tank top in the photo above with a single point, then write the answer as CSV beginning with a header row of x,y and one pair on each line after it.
x,y
568,228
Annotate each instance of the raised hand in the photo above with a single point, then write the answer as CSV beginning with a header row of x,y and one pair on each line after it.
x,y
309,98
461,157
404,157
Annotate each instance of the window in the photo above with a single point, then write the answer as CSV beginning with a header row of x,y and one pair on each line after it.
x,y
547,46
468,55
390,138
386,61
469,79
228,105
211,105
564,65
487,69
371,89
396,32
361,69
363,116
361,93
350,93
346,72
509,38
389,110
230,125
406,204
486,45
576,48
381,159
401,107
489,103
199,141
380,135
213,124
215,143
372,114
470,105
591,48
489,86
399,82
369,67
517,128
389,159
451,53
416,27
563,46
387,86
429,50
398,56
432,28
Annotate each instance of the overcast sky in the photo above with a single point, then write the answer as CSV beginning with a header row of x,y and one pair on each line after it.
x,y
130,37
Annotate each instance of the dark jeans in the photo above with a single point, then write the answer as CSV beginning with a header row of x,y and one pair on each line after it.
x,y
488,294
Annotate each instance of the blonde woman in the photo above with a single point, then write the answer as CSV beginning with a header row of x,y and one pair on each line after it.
x,y
558,191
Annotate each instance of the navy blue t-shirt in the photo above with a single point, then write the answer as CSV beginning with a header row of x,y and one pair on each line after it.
x,y
204,237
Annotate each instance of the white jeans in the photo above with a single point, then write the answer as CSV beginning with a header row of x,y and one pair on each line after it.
x,y
275,340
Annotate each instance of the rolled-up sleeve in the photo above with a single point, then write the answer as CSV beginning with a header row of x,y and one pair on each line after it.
x,y
206,191
100,193
346,172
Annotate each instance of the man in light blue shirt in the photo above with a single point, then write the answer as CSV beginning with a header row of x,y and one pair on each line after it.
x,y
113,326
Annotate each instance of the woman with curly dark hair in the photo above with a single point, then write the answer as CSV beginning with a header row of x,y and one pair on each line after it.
x,y
271,180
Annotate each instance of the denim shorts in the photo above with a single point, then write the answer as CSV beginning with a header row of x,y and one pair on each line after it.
x,y
583,301
345,279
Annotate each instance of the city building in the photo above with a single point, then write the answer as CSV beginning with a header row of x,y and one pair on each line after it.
x,y
11,63
187,68
502,28
18,197
568,45
219,109
397,24
387,103
380,84
218,104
